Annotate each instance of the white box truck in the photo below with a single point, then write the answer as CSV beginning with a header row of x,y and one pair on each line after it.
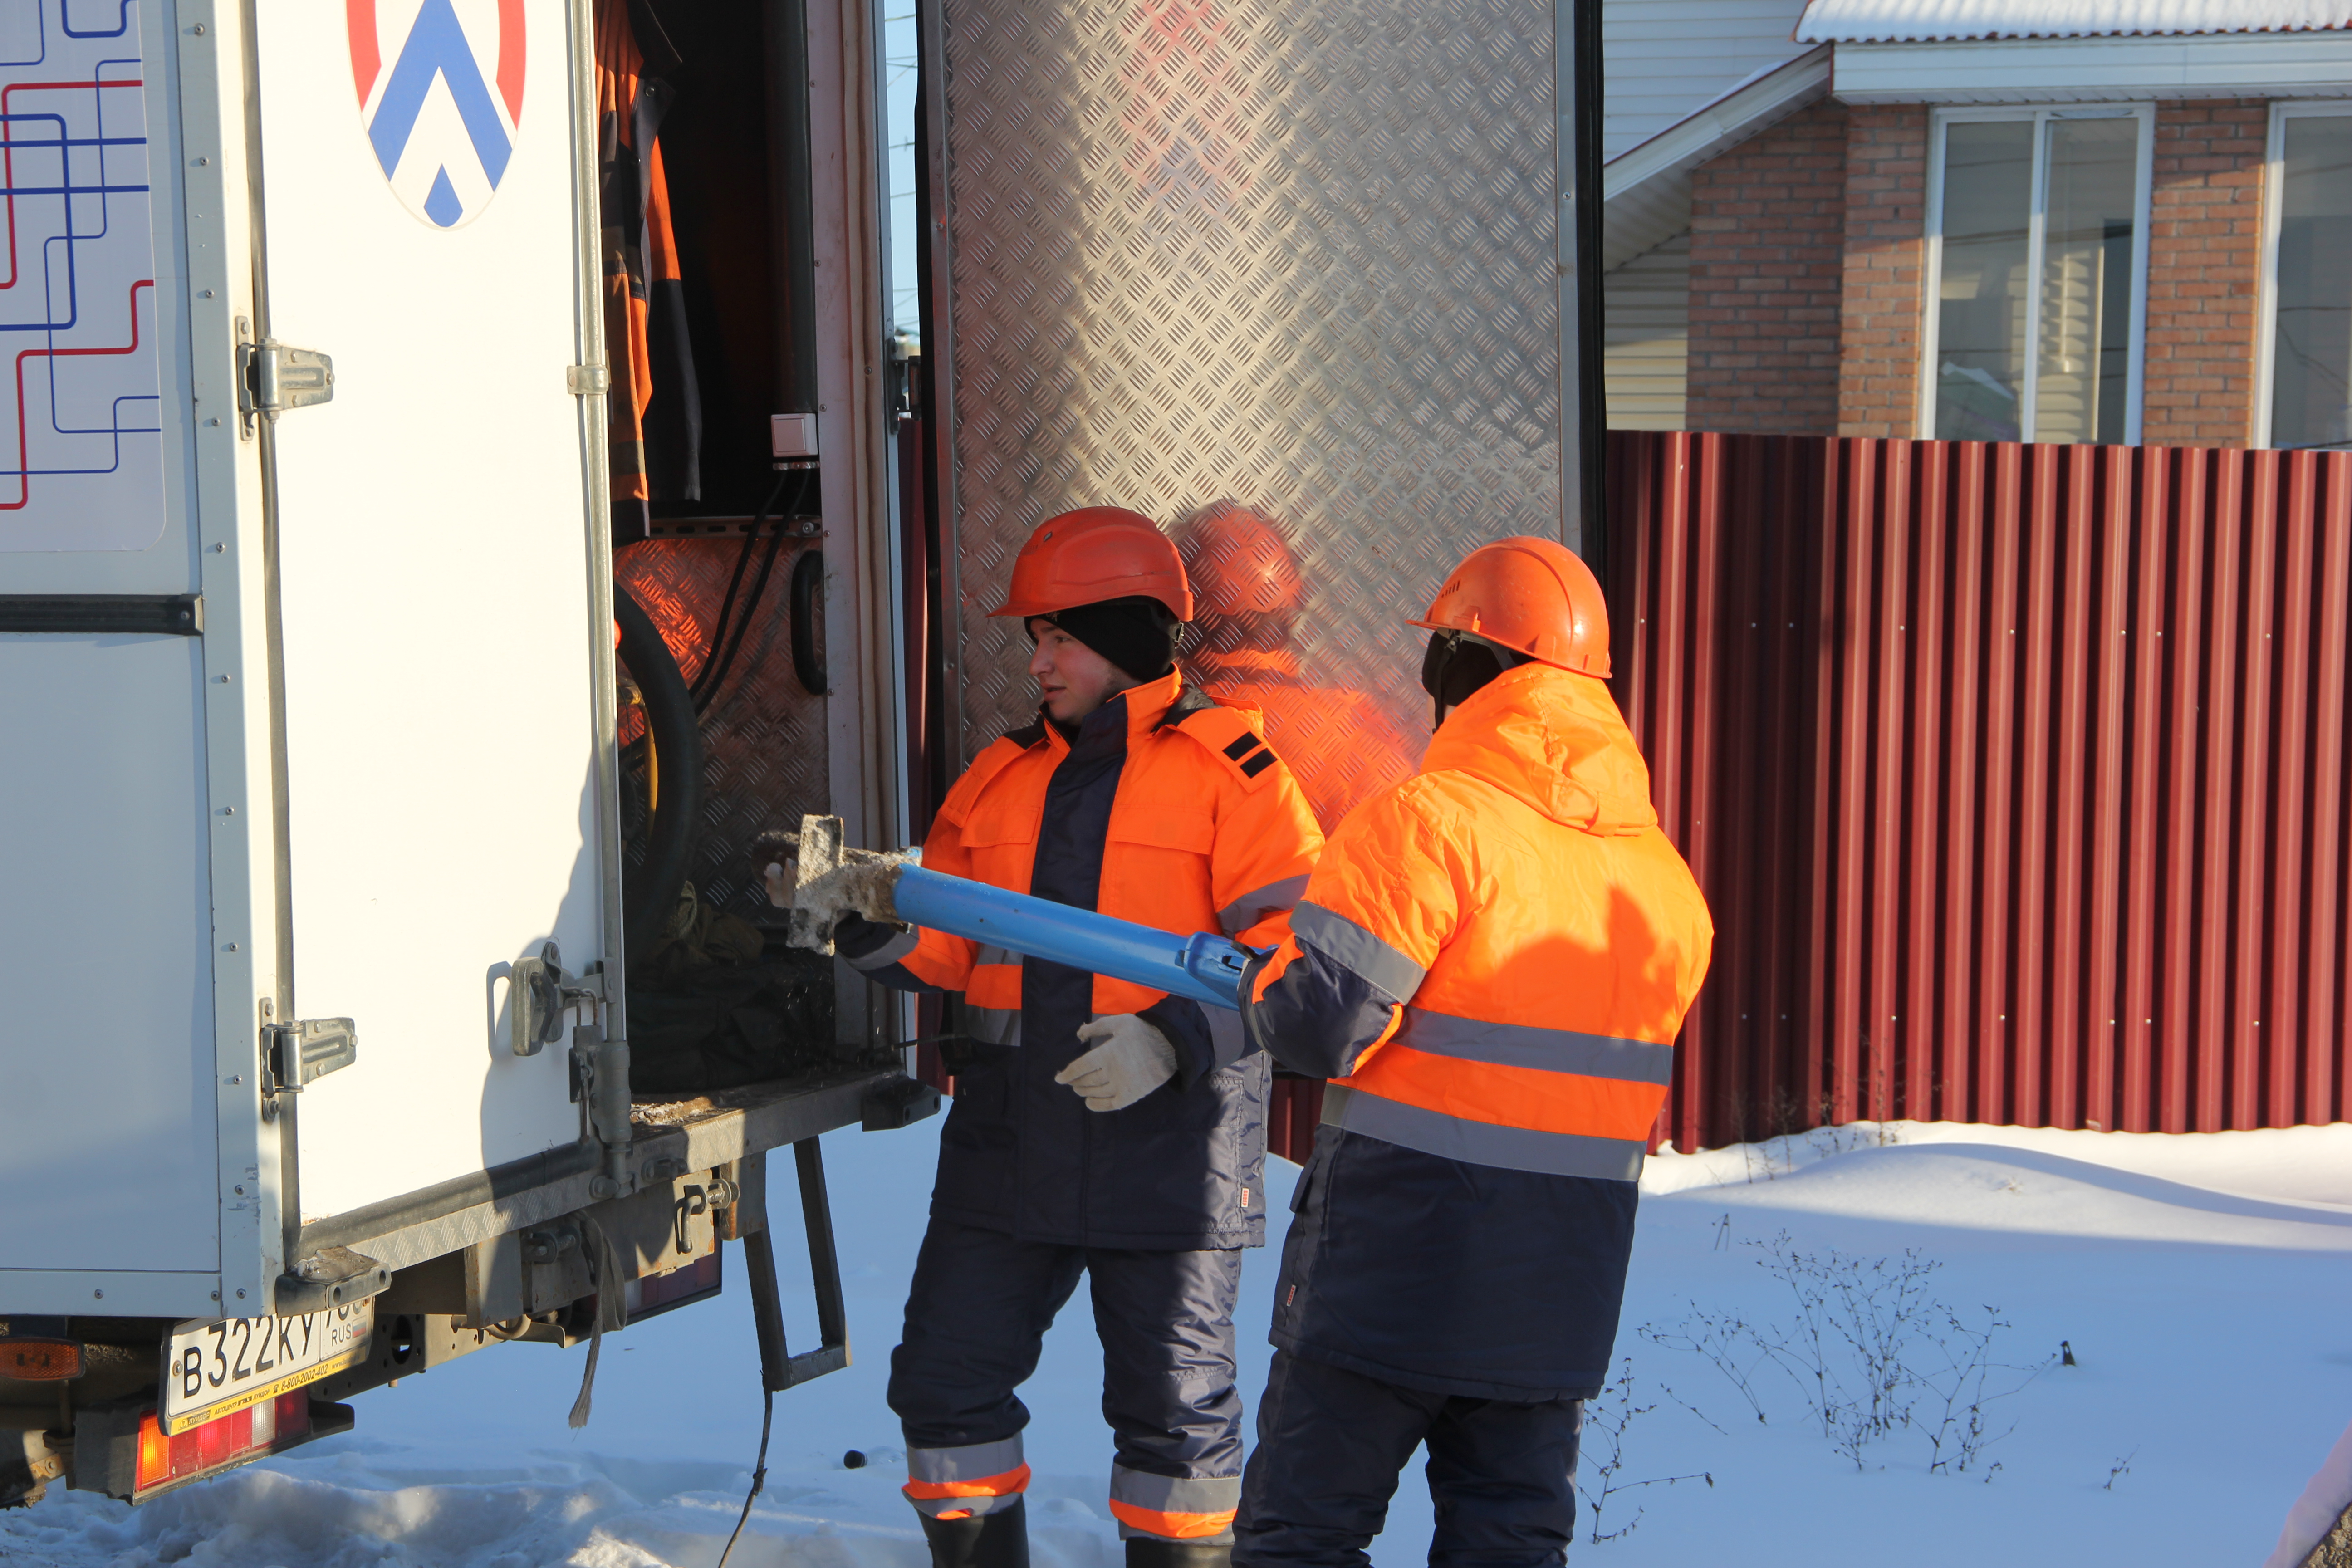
x,y
313,1032
342,875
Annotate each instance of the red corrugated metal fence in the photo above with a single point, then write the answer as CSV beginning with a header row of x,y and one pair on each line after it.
x,y
2017,776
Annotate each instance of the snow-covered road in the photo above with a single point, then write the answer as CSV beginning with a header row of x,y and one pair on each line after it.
x,y
2201,1281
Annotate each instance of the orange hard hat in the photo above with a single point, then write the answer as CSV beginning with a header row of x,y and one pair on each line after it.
x,y
1240,561
1531,596
1094,553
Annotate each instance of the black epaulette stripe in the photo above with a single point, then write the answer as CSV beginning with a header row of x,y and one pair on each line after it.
x,y
1244,747
1257,765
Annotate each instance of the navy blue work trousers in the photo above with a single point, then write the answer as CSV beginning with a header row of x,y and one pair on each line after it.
x,y
1330,1444
976,1319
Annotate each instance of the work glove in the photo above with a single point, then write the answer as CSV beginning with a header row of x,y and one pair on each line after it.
x,y
1132,1059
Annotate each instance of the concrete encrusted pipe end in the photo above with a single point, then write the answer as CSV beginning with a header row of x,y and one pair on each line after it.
x,y
829,880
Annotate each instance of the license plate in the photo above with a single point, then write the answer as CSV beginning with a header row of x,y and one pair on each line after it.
x,y
213,1368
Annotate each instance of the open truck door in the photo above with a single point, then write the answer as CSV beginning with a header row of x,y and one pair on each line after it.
x,y
312,1007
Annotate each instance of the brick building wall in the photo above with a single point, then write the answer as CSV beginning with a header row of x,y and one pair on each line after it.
x,y
1885,260
2204,272
1768,225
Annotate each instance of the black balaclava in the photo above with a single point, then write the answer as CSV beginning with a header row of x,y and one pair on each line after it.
x,y
1459,664
1137,634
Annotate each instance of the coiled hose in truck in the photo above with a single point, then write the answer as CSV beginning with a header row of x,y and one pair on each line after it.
x,y
648,894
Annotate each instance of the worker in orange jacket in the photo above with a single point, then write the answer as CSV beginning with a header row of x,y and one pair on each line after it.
x,y
1491,962
1099,1127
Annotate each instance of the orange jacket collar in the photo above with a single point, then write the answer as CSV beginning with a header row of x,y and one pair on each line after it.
x,y
1146,705
1554,739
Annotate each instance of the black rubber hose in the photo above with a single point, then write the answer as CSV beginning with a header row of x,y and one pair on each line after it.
x,y
808,605
714,668
704,694
648,894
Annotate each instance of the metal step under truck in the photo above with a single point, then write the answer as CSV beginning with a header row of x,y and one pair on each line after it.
x,y
323,836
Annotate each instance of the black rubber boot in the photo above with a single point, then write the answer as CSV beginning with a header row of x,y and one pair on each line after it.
x,y
1152,1552
999,1540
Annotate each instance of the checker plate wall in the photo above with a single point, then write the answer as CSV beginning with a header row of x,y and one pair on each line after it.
x,y
1300,257
764,739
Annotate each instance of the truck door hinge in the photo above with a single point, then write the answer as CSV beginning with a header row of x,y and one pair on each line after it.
x,y
273,377
538,995
292,1055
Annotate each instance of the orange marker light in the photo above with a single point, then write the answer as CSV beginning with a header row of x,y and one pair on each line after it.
x,y
34,1360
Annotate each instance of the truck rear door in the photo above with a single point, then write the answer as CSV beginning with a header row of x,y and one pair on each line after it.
x,y
440,591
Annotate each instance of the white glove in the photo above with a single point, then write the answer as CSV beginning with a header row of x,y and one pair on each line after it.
x,y
1133,1059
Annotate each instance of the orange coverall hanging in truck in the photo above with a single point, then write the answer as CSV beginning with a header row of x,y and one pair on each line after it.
x,y
656,451
1492,962
1155,805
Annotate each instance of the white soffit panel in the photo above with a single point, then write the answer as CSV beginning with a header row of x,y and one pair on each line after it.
x,y
1926,21
1647,189
2098,71
1669,59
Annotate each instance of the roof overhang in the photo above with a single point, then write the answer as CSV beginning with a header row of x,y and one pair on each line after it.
x,y
1919,21
2097,70
1646,190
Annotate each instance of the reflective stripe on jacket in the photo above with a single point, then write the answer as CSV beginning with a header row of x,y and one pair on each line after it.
x,y
1492,960
1169,811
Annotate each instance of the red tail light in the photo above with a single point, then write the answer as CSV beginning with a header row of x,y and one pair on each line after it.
x,y
239,1434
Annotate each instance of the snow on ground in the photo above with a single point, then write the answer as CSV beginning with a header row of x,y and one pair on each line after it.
x,y
2200,1282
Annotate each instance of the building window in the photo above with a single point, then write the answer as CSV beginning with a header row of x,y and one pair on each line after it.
x,y
2036,275
2309,301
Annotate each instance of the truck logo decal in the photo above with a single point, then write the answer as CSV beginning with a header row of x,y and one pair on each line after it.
x,y
81,411
442,129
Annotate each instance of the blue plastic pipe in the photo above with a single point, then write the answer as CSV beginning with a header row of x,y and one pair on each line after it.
x,y
1204,967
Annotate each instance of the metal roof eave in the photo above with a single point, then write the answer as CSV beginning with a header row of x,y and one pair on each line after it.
x,y
2096,69
1645,191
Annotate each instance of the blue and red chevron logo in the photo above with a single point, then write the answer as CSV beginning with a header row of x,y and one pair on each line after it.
x,y
440,91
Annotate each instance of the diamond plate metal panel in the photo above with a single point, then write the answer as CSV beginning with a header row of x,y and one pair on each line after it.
x,y
1300,257
764,738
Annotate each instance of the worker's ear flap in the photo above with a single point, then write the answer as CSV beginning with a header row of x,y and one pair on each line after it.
x,y
1433,660
1456,666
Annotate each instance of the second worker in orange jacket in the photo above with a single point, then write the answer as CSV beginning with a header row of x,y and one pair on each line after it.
x,y
1491,962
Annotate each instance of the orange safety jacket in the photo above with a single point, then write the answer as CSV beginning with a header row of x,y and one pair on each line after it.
x,y
1202,828
1209,832
1493,959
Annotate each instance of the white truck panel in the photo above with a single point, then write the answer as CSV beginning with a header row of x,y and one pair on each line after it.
x,y
106,957
104,961
439,700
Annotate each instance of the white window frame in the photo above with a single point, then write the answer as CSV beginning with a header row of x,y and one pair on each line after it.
x,y
2273,220
1932,283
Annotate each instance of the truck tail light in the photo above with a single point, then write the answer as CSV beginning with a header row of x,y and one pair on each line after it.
x,y
239,1434
37,1360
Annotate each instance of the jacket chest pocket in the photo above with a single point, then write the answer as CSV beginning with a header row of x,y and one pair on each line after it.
x,y
1156,866
1001,836
1164,826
